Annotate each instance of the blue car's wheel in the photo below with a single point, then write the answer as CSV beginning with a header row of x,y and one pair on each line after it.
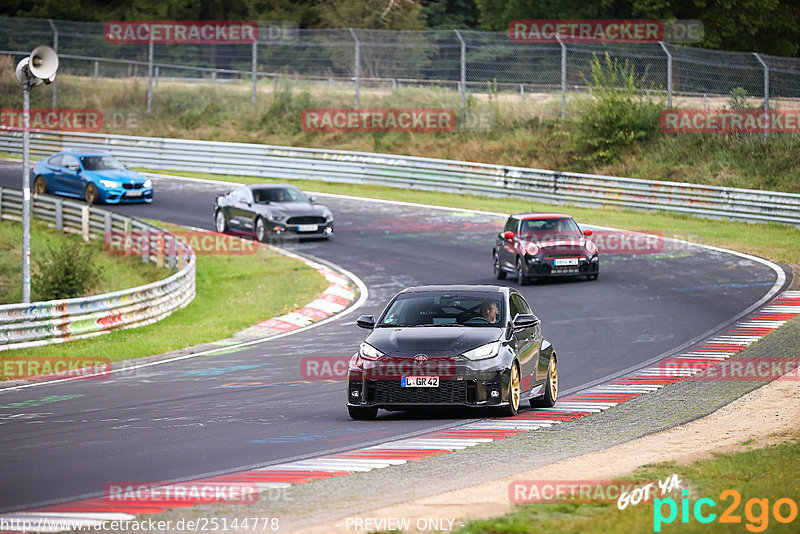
x,y
39,185
90,194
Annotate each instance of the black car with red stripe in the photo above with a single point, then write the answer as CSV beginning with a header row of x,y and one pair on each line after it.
x,y
543,245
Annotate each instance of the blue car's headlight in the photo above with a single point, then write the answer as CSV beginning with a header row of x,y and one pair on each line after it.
x,y
109,183
148,183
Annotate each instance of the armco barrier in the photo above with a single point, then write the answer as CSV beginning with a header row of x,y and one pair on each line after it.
x,y
424,173
55,321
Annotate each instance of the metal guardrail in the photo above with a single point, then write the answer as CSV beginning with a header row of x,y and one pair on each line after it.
x,y
424,173
55,321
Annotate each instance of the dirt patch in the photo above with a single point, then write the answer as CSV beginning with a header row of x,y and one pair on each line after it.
x,y
762,417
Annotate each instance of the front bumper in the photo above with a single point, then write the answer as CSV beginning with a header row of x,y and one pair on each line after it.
x,y
467,387
119,195
542,267
300,231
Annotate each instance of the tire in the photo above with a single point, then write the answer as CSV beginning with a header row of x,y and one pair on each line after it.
x,y
39,185
550,389
521,278
362,413
261,230
220,223
499,273
513,392
90,194
592,276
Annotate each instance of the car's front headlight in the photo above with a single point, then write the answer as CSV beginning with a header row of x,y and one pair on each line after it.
x,y
368,352
148,183
328,215
276,217
591,248
484,352
109,183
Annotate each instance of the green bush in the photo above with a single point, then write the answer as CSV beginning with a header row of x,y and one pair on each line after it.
x,y
620,113
67,271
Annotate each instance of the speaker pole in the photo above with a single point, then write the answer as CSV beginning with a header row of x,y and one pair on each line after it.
x,y
26,191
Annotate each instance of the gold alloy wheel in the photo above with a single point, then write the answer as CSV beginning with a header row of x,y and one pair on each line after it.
x,y
553,380
514,393
39,186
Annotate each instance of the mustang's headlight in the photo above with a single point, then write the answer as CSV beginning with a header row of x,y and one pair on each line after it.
x,y
109,183
277,218
591,248
484,352
368,352
148,183
328,215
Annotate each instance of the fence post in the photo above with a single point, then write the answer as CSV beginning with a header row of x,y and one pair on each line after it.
x,y
669,74
55,47
59,215
766,93
85,222
463,85
96,70
255,68
357,69
563,78
156,75
150,75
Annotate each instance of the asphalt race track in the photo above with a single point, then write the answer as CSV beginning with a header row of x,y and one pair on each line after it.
x,y
194,417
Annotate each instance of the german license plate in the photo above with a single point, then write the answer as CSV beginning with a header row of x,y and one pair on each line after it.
x,y
307,228
134,193
561,262
419,382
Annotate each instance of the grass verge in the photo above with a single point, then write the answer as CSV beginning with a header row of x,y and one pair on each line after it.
x,y
233,292
773,241
760,475
117,272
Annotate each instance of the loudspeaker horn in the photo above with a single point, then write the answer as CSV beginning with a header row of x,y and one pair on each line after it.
x,y
43,63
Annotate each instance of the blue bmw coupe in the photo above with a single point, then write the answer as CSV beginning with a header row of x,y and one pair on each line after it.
x,y
92,176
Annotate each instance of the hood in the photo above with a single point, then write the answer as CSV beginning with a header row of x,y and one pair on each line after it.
x,y
295,209
125,176
431,340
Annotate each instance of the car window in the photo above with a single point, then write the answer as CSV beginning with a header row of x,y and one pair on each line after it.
x,y
278,194
521,303
514,306
55,161
240,194
101,163
511,225
69,161
553,225
471,309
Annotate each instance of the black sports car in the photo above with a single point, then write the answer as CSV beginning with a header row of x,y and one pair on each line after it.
x,y
452,345
266,210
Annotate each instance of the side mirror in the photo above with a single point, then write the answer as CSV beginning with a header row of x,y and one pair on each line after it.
x,y
366,321
508,235
525,320
587,232
312,198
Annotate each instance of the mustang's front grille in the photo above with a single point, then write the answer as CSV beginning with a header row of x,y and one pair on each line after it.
x,y
310,219
390,392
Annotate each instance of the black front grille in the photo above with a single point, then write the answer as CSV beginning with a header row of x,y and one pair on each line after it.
x,y
311,219
132,186
390,392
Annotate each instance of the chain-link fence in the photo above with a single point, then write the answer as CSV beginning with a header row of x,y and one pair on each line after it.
x,y
469,62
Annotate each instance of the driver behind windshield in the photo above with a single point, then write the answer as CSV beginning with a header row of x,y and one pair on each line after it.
x,y
489,310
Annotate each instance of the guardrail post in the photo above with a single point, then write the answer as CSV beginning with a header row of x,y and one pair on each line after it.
x,y
55,47
1,204
357,64
463,84
96,70
160,250
170,241
144,240
563,78
107,223
669,73
150,75
255,72
85,222
766,93
59,215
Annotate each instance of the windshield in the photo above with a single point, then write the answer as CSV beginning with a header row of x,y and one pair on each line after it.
x,y
101,163
452,310
549,227
278,194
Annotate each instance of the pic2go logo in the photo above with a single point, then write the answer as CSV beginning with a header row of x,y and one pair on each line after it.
x,y
756,511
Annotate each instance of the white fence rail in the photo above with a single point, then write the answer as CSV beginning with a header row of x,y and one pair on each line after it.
x,y
424,173
56,321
